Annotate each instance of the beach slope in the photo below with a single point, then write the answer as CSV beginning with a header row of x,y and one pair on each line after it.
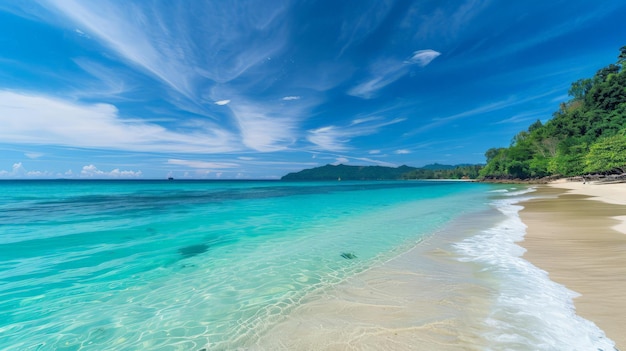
x,y
577,233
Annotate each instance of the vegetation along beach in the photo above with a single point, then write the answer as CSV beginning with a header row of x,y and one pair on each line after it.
x,y
312,175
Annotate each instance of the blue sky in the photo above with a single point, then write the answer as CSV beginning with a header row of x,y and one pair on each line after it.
x,y
257,89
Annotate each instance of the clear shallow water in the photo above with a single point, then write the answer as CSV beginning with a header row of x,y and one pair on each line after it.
x,y
156,265
186,265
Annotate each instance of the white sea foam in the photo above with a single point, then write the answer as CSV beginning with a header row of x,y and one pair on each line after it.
x,y
515,192
499,191
530,312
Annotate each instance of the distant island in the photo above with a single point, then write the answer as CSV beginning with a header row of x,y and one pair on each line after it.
x,y
345,172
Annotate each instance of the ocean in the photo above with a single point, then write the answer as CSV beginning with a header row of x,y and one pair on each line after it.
x,y
223,265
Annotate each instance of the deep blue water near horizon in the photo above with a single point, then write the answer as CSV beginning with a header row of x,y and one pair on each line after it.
x,y
191,265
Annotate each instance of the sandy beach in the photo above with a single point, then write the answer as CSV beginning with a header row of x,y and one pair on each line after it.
x,y
427,298
577,233
414,301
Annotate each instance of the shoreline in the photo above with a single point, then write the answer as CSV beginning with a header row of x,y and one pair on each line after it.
x,y
577,233
465,287
388,307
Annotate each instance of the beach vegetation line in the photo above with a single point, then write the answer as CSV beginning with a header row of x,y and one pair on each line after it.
x,y
586,135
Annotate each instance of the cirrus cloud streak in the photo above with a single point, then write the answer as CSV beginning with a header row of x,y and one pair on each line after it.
x,y
42,120
336,138
386,71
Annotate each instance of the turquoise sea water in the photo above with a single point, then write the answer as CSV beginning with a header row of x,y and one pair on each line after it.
x,y
186,265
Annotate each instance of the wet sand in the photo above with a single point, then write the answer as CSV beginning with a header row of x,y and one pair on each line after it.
x,y
424,299
577,233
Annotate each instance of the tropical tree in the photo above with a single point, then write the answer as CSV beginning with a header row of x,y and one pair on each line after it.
x,y
585,134
607,155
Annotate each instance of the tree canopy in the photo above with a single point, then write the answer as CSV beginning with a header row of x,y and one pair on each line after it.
x,y
587,134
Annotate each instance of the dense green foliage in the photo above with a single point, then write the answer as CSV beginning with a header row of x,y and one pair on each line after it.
x,y
449,172
586,135
343,172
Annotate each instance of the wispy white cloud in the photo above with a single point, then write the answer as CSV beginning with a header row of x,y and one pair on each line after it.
x,y
386,71
122,29
382,73
80,32
335,138
291,98
561,98
526,116
264,129
423,57
186,46
554,29
340,160
18,171
111,82
38,120
480,110
402,152
363,23
329,138
222,102
280,163
202,164
374,152
266,125
33,155
444,22
363,120
91,171
376,162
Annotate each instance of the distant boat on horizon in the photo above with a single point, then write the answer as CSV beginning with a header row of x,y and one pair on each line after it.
x,y
170,178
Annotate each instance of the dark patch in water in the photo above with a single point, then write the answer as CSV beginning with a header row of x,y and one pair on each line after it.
x,y
159,200
193,250
348,255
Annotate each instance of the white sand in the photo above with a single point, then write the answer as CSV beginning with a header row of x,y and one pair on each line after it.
x,y
574,234
613,193
424,299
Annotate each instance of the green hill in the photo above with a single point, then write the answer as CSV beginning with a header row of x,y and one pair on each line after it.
x,y
344,172
586,135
